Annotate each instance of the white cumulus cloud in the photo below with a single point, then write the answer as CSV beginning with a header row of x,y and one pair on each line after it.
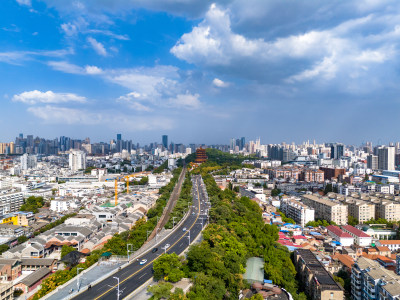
x,y
97,46
219,83
34,97
187,101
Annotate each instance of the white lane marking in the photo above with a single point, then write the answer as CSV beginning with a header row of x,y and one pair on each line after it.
x,y
142,275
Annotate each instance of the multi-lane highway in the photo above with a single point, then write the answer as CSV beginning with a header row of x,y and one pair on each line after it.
x,y
135,274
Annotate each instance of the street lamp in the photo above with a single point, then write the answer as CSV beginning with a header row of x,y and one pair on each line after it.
x,y
119,293
77,278
189,236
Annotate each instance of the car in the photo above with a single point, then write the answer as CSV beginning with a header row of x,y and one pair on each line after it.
x,y
154,250
184,229
143,261
167,245
193,213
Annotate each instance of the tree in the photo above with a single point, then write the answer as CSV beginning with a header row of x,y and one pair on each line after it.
x,y
328,188
4,248
339,280
168,266
257,297
66,249
32,204
22,239
352,220
275,192
160,290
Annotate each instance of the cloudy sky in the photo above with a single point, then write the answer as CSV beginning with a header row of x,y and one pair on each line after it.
x,y
201,71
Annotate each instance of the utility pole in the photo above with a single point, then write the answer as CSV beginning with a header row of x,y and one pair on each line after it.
x,y
129,248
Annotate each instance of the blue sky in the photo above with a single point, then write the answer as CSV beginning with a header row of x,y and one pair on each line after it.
x,y
200,71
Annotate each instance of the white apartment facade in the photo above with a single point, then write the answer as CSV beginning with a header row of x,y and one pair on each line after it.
x,y
388,210
327,209
360,238
298,211
361,210
77,160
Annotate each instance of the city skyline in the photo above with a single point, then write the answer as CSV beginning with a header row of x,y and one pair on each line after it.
x,y
206,69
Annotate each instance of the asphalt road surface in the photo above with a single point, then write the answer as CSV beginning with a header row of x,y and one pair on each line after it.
x,y
135,274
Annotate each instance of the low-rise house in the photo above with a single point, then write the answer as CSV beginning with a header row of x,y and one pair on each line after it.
x,y
14,269
360,237
31,281
33,264
339,235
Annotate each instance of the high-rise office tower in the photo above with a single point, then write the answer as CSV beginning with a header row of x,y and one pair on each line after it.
x,y
386,157
372,162
119,142
165,141
242,143
337,151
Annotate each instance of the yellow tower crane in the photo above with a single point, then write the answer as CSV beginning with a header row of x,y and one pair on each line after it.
x,y
126,178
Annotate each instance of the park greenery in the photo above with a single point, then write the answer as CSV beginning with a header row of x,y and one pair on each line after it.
x,y
184,200
32,204
235,232
161,168
163,291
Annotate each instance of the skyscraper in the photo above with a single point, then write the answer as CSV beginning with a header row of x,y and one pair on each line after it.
x,y
165,141
77,160
337,151
119,142
242,143
386,158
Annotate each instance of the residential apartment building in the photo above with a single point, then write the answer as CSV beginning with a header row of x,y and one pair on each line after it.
x,y
330,173
371,281
327,209
77,160
360,237
361,210
318,283
372,162
298,211
10,202
386,158
388,210
311,175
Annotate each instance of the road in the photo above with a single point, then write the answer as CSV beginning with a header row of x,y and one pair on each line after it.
x,y
135,274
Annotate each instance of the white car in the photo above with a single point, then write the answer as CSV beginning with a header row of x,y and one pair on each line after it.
x,y
184,229
167,245
143,261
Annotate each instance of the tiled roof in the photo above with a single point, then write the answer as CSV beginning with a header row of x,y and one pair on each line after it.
x,y
337,231
389,242
355,231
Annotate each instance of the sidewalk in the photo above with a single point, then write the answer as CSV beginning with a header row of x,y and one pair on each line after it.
x,y
87,278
